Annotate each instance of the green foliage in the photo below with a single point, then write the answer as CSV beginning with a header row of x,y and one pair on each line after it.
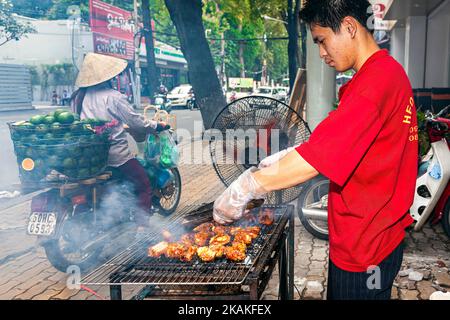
x,y
244,20
424,141
234,19
35,76
53,74
32,9
10,28
57,9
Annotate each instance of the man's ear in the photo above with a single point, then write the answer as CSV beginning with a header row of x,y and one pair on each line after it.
x,y
350,25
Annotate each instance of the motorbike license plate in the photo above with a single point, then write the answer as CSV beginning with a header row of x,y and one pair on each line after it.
x,y
42,223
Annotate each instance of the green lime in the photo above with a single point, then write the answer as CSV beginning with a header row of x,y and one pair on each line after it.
x,y
53,161
73,150
41,128
57,112
95,170
56,127
37,119
76,126
59,150
67,137
24,129
69,163
29,152
84,162
65,117
48,138
49,119
42,150
83,173
40,166
32,139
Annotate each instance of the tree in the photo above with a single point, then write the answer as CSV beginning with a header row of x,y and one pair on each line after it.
x,y
164,27
152,74
187,17
10,28
32,9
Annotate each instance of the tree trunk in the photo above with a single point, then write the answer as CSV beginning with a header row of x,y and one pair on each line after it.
x,y
241,52
187,18
303,45
152,72
293,39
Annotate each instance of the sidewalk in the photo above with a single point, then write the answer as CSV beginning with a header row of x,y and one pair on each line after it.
x,y
25,272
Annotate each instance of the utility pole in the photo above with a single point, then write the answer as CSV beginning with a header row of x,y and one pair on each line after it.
x,y
152,73
137,58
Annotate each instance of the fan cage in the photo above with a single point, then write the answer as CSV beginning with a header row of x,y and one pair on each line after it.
x,y
249,129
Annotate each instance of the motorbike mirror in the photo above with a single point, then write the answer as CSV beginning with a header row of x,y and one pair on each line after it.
x,y
443,111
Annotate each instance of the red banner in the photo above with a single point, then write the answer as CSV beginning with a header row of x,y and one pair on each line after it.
x,y
108,45
113,29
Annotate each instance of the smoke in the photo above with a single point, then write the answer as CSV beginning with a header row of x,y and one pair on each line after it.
x,y
9,173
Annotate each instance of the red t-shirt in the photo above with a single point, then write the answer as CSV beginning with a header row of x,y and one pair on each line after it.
x,y
368,149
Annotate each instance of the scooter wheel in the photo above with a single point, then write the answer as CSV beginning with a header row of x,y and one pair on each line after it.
x,y
314,194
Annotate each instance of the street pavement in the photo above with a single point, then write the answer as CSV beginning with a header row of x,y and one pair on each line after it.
x,y
25,272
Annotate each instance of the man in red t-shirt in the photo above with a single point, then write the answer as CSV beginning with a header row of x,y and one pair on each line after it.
x,y
367,148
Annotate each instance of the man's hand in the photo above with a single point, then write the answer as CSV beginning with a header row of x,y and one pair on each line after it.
x,y
230,205
162,126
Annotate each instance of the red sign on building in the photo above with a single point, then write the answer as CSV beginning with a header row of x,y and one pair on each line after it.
x,y
113,30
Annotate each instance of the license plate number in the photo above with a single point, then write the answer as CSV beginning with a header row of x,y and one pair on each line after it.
x,y
42,223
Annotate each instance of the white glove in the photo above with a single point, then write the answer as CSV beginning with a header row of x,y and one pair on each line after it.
x,y
230,205
270,160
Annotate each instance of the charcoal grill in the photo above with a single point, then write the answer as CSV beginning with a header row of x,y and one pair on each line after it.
x,y
222,279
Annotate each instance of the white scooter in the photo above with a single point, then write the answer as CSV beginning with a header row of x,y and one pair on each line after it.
x,y
432,186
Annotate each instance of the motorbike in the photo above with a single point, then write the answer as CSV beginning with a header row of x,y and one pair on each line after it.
x,y
432,196
162,103
75,221
191,102
432,188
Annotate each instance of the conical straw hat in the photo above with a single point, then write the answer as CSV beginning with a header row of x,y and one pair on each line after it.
x,y
98,68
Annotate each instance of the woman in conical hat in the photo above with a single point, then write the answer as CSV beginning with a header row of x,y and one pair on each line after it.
x,y
95,98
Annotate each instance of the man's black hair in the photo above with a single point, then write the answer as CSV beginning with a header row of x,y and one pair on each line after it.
x,y
330,13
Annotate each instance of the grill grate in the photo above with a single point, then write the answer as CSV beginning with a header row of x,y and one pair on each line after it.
x,y
134,267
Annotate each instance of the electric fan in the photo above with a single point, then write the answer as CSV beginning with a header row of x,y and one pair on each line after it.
x,y
249,129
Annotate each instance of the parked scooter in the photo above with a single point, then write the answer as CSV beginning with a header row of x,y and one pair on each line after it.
x,y
433,177
75,221
432,197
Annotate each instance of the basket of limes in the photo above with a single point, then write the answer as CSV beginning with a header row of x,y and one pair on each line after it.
x,y
60,146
